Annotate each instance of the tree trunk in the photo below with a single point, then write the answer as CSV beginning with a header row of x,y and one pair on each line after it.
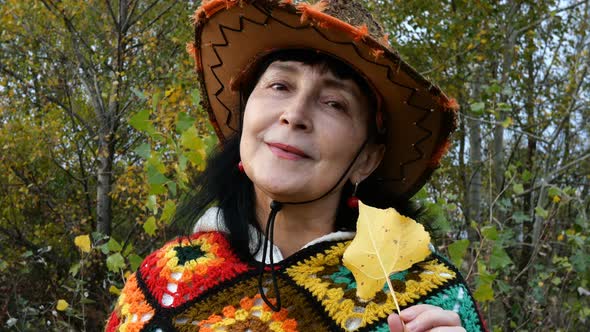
x,y
499,128
507,59
109,123
103,188
475,183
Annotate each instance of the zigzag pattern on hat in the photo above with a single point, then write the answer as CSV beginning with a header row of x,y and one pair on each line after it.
x,y
390,75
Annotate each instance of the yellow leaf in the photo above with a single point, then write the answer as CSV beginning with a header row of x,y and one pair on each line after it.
x,y
386,242
114,290
83,242
556,199
62,305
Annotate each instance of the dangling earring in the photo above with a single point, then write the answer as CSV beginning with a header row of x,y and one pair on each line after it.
x,y
241,167
353,201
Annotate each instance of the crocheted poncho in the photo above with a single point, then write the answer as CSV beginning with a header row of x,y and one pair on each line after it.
x,y
199,284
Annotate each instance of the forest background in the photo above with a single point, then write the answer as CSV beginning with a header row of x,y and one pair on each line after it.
x,y
101,132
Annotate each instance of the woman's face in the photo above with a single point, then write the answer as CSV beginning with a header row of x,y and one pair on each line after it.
x,y
302,128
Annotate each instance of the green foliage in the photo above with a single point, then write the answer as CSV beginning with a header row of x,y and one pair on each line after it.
x,y
514,219
457,251
499,259
57,130
518,172
149,226
484,290
115,262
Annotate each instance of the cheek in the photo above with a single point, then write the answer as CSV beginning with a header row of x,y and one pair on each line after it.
x,y
257,116
254,124
342,141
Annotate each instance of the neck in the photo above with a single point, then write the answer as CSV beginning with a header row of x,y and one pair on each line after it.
x,y
298,224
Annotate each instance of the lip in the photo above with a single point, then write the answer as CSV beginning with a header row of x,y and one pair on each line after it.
x,y
285,151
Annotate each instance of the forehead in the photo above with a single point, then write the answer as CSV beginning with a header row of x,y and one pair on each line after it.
x,y
322,68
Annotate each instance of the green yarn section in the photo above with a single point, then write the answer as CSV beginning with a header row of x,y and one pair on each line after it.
x,y
188,253
401,276
381,328
344,276
457,299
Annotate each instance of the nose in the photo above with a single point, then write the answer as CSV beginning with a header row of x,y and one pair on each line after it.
x,y
296,113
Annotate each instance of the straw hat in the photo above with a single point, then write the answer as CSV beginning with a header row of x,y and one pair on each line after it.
x,y
231,35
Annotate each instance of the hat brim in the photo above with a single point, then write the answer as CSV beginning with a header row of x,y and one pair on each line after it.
x,y
418,116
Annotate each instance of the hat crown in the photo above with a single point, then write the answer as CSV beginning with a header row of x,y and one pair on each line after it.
x,y
354,14
231,35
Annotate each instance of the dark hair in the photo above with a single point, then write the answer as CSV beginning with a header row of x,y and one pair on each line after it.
x,y
223,185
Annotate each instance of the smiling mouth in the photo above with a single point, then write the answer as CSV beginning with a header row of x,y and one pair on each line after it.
x,y
285,151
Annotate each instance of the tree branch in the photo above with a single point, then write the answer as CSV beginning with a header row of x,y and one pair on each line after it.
x,y
547,17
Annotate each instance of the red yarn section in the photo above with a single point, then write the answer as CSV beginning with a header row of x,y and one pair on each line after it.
x,y
165,277
113,323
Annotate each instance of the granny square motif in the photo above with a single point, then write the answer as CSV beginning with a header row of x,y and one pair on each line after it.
x,y
198,284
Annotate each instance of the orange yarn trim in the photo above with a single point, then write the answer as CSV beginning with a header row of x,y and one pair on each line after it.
x,y
190,48
214,6
209,8
315,14
212,319
377,53
264,305
197,16
246,303
361,32
136,305
450,104
283,314
312,11
290,325
439,153
229,311
385,39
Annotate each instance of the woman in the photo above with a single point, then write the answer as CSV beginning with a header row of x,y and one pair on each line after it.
x,y
314,112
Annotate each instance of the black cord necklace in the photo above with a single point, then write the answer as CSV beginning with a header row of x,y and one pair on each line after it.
x,y
275,207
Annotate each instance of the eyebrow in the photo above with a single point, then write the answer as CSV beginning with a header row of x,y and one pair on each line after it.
x,y
338,84
285,66
329,82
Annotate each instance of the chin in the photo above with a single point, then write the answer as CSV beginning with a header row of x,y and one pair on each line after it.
x,y
282,191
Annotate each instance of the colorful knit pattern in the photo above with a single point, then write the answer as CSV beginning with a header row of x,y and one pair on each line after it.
x,y
132,307
247,311
333,285
457,299
198,284
185,268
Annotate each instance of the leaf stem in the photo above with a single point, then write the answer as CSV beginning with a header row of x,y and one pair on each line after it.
x,y
394,299
386,274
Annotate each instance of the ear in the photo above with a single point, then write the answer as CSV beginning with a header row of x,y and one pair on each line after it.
x,y
367,162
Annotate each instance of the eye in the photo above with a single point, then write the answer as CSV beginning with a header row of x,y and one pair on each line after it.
x,y
278,86
337,105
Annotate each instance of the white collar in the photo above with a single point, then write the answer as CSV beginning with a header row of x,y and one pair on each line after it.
x,y
212,221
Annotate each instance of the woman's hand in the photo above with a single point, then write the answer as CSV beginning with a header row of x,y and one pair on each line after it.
x,y
425,317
